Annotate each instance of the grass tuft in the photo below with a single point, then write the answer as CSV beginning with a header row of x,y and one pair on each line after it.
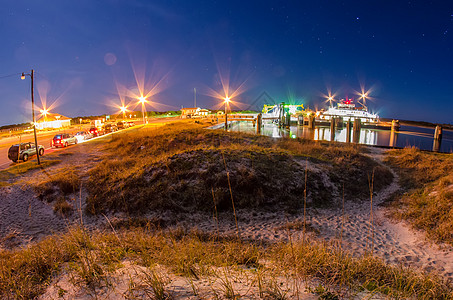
x,y
91,257
428,181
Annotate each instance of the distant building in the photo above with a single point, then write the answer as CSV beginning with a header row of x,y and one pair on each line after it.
x,y
52,121
194,112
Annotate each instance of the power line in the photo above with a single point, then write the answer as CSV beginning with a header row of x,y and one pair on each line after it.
x,y
6,76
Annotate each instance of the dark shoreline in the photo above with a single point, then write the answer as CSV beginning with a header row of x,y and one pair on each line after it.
x,y
419,123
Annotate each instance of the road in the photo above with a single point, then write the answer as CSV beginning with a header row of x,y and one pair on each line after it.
x,y
44,139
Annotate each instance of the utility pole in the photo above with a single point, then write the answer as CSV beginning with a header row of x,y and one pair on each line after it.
x,y
194,97
33,111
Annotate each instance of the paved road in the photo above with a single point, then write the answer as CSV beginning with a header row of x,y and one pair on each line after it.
x,y
44,139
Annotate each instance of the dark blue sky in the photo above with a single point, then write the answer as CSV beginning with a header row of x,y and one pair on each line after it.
x,y
83,50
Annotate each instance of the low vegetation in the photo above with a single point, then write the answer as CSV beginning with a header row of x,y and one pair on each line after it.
x,y
184,166
61,183
428,199
91,259
10,174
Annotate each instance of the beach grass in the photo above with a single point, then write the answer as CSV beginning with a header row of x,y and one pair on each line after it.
x,y
427,199
92,257
178,165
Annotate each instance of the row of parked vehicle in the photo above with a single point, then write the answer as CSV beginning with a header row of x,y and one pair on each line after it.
x,y
109,127
24,151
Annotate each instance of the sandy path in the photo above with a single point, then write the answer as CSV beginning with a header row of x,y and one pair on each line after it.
x,y
23,218
395,242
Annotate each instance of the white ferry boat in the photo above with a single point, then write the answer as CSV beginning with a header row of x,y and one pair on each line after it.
x,y
347,110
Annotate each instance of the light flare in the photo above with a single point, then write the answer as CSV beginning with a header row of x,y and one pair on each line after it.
x,y
329,98
145,90
229,89
44,109
364,95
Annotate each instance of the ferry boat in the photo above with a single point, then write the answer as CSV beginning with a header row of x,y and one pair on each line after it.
x,y
347,110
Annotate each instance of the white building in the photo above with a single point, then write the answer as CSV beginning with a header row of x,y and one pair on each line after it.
x,y
52,121
194,112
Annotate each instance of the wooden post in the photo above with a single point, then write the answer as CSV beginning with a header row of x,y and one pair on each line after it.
x,y
437,138
438,133
357,125
348,131
395,125
332,129
356,131
339,122
259,120
311,121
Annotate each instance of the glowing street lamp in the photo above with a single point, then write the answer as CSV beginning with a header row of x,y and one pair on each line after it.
x,y
44,112
33,110
123,110
142,100
330,99
227,101
363,96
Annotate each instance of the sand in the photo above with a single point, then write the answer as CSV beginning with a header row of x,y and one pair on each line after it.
x,y
25,219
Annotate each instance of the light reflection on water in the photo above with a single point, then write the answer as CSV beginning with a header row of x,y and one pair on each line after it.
x,y
407,136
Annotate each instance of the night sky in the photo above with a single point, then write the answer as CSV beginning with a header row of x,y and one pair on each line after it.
x,y
88,52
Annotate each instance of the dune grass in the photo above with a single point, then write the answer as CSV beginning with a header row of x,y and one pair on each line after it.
x,y
180,167
92,257
427,179
177,166
22,168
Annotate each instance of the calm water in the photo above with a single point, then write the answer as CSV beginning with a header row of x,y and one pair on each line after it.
x,y
407,136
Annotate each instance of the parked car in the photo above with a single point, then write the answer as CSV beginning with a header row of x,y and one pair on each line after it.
x,y
131,124
63,140
110,128
94,131
82,136
24,151
121,125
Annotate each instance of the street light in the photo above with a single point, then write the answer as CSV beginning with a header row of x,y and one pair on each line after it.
x,y
363,96
330,99
44,112
227,100
33,110
143,101
123,110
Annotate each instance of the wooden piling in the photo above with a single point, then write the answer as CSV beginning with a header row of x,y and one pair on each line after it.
x,y
436,145
356,131
438,133
259,121
395,125
348,131
437,138
311,121
332,129
357,125
339,122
